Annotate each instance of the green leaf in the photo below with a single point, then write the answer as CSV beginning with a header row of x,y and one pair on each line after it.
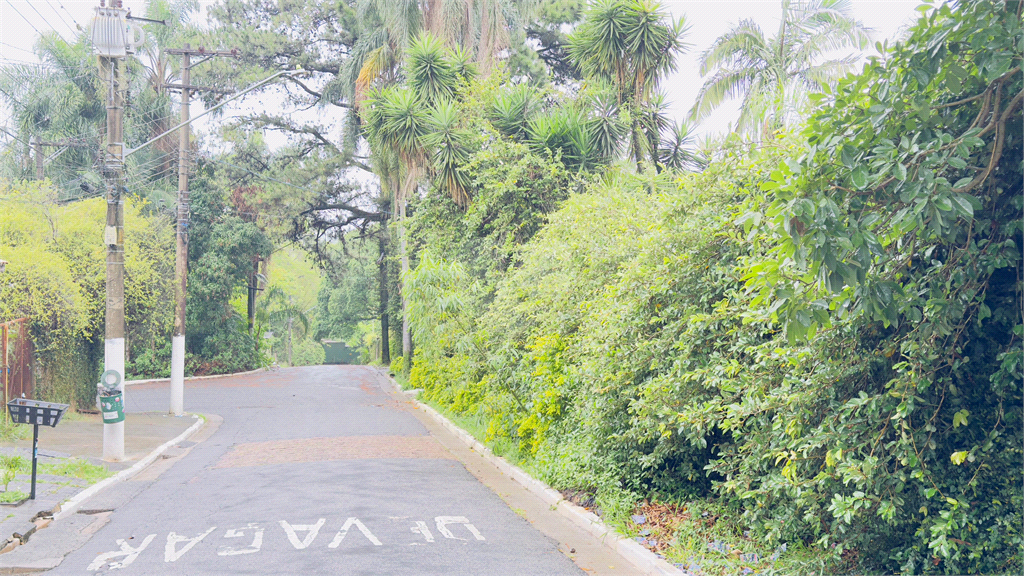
x,y
859,177
957,163
848,155
900,172
964,204
960,418
958,457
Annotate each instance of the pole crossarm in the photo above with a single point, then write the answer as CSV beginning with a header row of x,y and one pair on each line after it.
x,y
201,52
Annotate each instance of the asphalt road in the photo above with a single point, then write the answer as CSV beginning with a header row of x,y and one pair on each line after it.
x,y
315,470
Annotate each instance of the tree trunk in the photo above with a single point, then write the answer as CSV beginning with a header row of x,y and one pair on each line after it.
x,y
406,333
290,363
250,304
382,270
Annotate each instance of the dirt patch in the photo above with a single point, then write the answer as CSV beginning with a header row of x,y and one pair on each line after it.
x,y
658,523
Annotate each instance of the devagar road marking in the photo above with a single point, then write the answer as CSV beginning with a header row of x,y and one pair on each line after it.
x,y
129,554
344,530
171,555
421,528
443,522
311,531
257,541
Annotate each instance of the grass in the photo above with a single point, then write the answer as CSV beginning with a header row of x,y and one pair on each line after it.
x,y
12,496
11,432
76,468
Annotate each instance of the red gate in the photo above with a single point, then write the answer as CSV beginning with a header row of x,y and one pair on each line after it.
x,y
16,352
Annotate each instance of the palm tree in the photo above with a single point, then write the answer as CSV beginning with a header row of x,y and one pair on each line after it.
x,y
631,45
676,149
474,29
407,128
774,74
56,101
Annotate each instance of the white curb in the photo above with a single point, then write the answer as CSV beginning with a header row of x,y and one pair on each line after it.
x,y
639,556
152,380
77,500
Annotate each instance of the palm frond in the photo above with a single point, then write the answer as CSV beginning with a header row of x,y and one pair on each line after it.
x,y
724,85
743,45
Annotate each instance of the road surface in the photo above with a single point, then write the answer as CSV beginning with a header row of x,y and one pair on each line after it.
x,y
315,470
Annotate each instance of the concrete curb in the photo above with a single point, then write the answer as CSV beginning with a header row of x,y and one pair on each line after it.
x,y
639,556
72,505
154,380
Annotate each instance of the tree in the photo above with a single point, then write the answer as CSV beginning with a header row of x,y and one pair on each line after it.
x,y
631,45
483,28
773,75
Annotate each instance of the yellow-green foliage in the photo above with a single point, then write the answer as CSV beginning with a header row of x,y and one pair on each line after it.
x,y
56,276
291,269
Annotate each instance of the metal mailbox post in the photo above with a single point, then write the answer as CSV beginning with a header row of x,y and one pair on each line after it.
x,y
38,414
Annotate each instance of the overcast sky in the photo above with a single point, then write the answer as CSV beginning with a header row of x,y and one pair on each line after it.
x,y
21,21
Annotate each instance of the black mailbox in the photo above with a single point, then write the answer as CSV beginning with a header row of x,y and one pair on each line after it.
x,y
36,412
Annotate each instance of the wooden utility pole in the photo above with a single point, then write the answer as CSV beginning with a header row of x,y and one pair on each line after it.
x,y
181,249
177,405
113,172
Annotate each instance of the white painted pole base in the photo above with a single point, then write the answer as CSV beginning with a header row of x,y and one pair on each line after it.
x,y
178,375
113,442
113,434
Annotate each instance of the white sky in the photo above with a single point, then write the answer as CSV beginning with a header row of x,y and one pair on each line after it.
x,y
21,21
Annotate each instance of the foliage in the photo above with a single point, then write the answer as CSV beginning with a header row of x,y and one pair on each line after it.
x,y
822,333
308,352
12,497
900,229
56,277
629,45
222,249
9,465
773,75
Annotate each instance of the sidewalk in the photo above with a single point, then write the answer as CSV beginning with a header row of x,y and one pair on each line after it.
x,y
72,454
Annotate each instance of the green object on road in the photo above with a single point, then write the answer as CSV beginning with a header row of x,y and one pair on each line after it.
x,y
112,408
337,352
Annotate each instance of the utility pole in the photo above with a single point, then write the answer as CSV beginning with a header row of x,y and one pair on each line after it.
x,y
109,38
181,250
181,246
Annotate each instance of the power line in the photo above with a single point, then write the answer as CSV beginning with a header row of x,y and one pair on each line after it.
x,y
27,21
72,16
50,4
18,48
48,23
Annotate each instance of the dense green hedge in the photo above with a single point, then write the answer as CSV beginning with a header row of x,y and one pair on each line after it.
x,y
823,333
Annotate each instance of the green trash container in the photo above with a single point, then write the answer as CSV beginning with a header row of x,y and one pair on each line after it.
x,y
112,408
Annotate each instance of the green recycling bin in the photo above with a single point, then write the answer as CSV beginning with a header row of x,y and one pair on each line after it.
x,y
112,408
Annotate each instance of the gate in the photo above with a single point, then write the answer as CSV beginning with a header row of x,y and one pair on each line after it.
x,y
16,353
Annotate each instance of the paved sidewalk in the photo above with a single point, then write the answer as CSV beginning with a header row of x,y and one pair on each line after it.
x,y
78,437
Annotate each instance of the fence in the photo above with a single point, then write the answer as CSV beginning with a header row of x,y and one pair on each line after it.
x,y
16,352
